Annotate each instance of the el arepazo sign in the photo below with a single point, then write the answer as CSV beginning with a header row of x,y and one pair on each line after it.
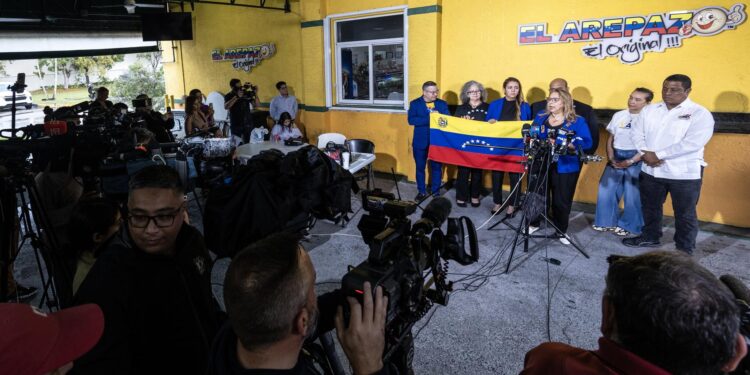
x,y
628,38
245,58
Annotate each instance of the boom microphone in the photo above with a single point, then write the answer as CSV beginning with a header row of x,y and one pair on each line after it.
x,y
737,287
433,215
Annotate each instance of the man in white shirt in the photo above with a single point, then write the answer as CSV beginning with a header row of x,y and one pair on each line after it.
x,y
283,102
671,139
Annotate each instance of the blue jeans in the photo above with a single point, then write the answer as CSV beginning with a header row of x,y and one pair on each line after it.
x,y
617,184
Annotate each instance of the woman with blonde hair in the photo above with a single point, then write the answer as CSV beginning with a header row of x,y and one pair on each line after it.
x,y
562,174
511,107
473,107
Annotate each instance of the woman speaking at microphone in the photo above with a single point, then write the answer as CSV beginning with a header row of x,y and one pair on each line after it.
x,y
563,173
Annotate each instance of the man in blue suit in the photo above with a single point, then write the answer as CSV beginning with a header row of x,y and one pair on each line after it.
x,y
419,117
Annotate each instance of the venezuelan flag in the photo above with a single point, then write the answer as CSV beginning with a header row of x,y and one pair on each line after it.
x,y
469,143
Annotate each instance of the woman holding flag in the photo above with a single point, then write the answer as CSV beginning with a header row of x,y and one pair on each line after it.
x,y
563,173
512,107
473,107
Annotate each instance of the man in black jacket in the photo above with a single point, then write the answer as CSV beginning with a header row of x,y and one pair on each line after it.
x,y
269,292
581,109
154,288
159,124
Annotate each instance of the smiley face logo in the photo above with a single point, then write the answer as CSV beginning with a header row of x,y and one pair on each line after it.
x,y
713,20
709,21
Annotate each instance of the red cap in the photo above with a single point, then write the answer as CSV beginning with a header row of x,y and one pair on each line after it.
x,y
35,342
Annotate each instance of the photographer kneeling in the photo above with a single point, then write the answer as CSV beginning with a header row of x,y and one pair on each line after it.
x,y
269,292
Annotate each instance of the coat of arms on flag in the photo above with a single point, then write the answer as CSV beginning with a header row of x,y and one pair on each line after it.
x,y
476,144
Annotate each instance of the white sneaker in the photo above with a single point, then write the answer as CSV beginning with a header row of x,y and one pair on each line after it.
x,y
533,229
564,241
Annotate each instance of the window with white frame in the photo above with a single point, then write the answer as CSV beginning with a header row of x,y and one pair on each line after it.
x,y
369,56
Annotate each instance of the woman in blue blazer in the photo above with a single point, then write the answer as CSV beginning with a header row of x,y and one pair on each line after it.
x,y
512,107
563,173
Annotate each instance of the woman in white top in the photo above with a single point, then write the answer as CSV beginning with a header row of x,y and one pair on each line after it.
x,y
285,128
620,177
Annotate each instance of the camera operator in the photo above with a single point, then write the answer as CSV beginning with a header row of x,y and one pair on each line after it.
x,y
269,292
240,102
102,94
157,123
661,313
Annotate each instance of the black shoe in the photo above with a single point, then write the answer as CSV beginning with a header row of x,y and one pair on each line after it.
x,y
22,294
461,204
476,204
688,252
640,242
420,197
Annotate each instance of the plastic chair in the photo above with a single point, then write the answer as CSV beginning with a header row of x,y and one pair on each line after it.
x,y
367,147
336,138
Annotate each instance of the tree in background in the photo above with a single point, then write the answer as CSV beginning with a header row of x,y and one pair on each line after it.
x,y
40,70
65,65
89,65
145,76
3,73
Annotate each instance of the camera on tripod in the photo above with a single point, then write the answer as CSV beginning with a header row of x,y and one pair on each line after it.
x,y
409,261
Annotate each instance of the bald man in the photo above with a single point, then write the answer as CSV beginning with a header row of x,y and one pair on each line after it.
x,y
581,109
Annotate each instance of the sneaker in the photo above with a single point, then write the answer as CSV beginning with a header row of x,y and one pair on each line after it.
x,y
640,242
602,229
564,240
533,229
420,197
22,294
621,232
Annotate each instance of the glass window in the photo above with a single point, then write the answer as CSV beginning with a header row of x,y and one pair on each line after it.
x,y
370,62
371,28
355,73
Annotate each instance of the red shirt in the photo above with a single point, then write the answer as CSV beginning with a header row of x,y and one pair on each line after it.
x,y
611,358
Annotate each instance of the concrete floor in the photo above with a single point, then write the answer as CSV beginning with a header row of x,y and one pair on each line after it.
x,y
494,318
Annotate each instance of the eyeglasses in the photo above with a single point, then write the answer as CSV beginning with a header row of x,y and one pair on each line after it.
x,y
433,92
553,100
474,92
161,221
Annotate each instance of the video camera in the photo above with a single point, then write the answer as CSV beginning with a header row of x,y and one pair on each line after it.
x,y
409,261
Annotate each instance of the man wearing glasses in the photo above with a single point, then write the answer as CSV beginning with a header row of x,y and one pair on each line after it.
x,y
419,117
155,289
283,102
670,140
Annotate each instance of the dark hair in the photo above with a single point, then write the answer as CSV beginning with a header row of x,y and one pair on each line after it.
x,y
264,290
189,104
156,176
88,217
428,84
120,105
101,89
673,312
685,80
284,116
193,91
649,93
233,82
279,84
519,97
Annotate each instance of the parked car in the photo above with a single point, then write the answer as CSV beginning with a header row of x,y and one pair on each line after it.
x,y
6,97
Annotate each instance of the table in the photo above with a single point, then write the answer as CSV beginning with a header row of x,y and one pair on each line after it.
x,y
358,160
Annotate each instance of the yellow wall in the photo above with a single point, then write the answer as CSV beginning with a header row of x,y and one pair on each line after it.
x,y
473,39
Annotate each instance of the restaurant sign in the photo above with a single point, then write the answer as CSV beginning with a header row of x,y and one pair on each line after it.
x,y
245,58
628,38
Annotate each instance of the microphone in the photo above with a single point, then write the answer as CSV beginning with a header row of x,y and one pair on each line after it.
x,y
552,138
737,287
525,129
433,215
534,131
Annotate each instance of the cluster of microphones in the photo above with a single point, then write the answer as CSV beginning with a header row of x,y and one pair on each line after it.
x,y
537,144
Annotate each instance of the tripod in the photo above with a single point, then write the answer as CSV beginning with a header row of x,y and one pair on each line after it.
x,y
538,182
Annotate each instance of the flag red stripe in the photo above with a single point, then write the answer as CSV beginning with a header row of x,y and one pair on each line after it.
x,y
449,155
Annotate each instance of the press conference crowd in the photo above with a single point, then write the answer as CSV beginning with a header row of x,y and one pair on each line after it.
x,y
143,301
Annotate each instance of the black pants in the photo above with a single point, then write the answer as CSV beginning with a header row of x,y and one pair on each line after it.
x,y
685,194
562,187
497,187
464,187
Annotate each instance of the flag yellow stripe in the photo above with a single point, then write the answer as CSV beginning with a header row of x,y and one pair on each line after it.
x,y
502,129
